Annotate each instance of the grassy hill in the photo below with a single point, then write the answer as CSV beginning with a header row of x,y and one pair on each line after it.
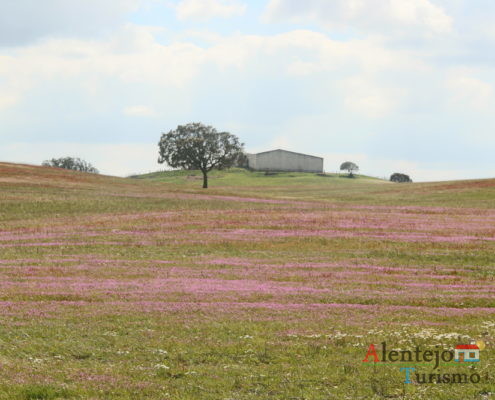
x,y
333,187
305,186
243,177
261,287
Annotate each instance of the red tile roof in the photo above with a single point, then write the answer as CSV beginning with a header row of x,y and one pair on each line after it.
x,y
467,347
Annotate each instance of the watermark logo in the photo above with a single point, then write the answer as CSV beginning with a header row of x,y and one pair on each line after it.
x,y
463,353
467,353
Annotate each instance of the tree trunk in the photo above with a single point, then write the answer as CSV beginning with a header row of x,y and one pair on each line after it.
x,y
205,180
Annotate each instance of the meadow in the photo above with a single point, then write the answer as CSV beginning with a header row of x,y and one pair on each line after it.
x,y
261,287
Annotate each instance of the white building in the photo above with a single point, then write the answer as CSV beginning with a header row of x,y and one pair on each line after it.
x,y
284,161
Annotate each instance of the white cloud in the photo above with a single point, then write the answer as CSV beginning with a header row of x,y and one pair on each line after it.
x,y
139,111
468,91
7,101
366,15
207,9
23,21
365,97
132,56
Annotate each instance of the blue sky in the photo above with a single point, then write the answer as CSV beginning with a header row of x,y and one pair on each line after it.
x,y
395,86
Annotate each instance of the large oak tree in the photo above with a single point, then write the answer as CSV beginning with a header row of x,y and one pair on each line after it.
x,y
197,146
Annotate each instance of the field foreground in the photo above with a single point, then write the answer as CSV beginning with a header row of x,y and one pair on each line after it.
x,y
259,288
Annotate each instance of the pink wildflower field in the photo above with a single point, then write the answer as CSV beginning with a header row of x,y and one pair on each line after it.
x,y
130,289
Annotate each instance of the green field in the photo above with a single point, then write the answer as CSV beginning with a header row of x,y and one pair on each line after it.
x,y
261,287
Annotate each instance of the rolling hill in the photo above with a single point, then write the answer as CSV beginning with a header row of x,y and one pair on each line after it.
x,y
261,287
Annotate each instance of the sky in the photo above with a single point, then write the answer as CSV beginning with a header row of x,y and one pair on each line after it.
x,y
392,85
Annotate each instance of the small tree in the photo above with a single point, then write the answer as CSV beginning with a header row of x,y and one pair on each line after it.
x,y
350,167
400,178
197,146
72,163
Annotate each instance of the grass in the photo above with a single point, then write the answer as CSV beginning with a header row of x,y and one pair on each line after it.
x,y
333,187
43,392
261,287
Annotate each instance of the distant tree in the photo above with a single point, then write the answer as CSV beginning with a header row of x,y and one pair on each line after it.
x,y
400,178
350,167
197,146
75,164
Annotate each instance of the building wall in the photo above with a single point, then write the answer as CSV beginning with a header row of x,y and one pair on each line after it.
x,y
251,158
281,160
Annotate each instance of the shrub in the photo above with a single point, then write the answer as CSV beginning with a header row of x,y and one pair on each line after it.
x,y
400,178
75,164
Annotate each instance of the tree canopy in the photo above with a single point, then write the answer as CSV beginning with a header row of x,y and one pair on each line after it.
x,y
400,178
72,163
350,167
198,146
